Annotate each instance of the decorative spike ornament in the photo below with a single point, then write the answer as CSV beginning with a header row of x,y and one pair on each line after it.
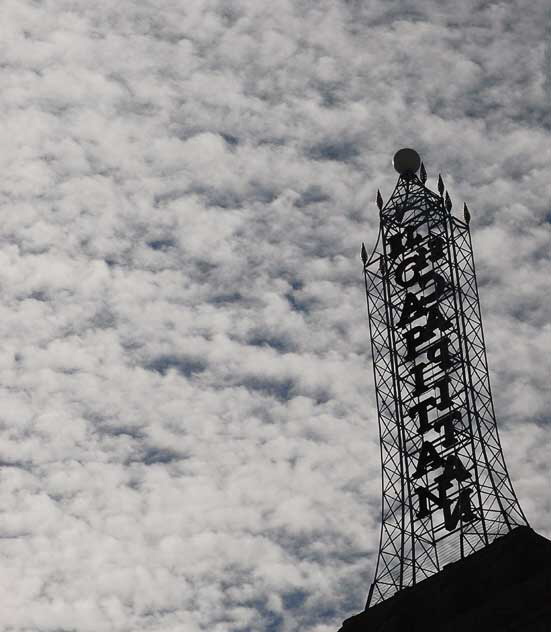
x,y
466,214
423,174
440,185
379,200
448,202
364,254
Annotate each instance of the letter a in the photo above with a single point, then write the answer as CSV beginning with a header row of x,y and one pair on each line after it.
x,y
454,470
411,310
435,320
429,459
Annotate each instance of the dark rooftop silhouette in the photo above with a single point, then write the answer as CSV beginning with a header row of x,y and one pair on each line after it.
x,y
504,587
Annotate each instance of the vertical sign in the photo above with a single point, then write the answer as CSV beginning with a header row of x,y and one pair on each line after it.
x,y
446,490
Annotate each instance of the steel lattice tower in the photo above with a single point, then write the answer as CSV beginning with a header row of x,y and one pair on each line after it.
x,y
445,488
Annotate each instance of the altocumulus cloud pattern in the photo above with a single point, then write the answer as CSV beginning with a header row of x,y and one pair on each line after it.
x,y
188,436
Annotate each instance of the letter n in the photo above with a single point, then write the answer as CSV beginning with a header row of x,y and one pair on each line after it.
x,y
424,496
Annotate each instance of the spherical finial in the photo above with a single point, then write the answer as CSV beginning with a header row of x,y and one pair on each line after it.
x,y
406,161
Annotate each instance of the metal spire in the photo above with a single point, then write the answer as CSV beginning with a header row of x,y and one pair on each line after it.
x,y
448,202
379,200
466,214
423,174
440,185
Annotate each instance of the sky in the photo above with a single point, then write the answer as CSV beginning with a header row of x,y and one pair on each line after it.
x,y
188,430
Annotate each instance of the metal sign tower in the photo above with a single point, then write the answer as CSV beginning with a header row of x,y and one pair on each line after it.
x,y
446,492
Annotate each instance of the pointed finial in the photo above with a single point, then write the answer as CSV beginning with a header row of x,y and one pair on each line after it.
x,y
448,202
423,174
379,200
364,253
466,214
440,185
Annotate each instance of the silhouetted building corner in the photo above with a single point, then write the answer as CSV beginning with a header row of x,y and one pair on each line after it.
x,y
504,587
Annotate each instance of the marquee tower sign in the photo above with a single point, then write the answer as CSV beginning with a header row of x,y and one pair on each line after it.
x,y
446,492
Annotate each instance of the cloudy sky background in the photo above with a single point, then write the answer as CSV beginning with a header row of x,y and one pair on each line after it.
x,y
188,435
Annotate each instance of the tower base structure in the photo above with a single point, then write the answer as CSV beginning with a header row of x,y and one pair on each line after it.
x,y
505,586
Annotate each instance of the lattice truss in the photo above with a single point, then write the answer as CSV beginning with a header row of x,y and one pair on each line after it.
x,y
417,222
